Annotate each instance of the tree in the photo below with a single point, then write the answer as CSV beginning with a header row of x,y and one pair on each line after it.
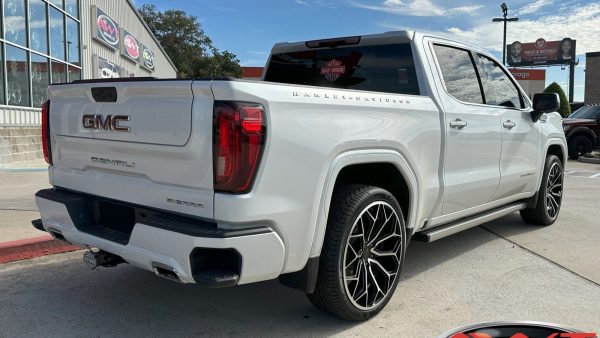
x,y
565,108
183,39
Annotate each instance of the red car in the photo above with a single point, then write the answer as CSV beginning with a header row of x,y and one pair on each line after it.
x,y
582,130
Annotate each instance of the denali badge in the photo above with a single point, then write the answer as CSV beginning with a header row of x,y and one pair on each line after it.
x,y
111,122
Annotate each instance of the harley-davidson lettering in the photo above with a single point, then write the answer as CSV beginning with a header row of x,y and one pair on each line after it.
x,y
108,123
185,203
116,163
356,98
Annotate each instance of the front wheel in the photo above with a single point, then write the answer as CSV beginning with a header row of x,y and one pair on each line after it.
x,y
579,146
549,196
362,253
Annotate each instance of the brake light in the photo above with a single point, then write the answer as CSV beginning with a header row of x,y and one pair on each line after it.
x,y
239,138
46,132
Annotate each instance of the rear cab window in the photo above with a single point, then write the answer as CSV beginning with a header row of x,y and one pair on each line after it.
x,y
386,68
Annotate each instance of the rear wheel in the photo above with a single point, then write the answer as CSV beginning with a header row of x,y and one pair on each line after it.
x,y
549,196
579,146
362,253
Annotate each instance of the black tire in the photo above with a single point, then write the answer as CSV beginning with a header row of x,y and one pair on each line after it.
x,y
332,292
548,207
579,146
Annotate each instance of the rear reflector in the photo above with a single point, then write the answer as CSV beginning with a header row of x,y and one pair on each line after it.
x,y
46,132
239,138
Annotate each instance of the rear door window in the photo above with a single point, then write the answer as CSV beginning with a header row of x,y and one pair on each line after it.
x,y
382,68
459,73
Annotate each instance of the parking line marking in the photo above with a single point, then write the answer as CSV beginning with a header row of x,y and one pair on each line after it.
x,y
595,176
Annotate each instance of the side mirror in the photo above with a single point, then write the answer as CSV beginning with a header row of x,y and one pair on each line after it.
x,y
544,103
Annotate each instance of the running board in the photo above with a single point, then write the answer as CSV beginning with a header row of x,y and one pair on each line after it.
x,y
444,230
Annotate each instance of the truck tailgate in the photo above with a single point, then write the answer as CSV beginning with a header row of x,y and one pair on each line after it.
x,y
150,145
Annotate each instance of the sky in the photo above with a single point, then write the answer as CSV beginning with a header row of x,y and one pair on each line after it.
x,y
250,28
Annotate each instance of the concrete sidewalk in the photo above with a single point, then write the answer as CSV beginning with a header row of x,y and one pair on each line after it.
x,y
18,238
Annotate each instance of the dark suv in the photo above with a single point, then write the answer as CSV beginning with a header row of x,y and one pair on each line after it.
x,y
582,130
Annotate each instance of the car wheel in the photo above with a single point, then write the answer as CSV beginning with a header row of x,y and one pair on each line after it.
x,y
362,255
549,196
579,146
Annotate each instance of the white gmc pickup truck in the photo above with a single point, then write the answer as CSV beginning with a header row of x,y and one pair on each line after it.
x,y
320,175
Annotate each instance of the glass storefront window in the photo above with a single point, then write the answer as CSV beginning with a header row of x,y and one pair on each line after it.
x,y
1,76
58,3
74,73
14,22
72,8
73,41
40,79
38,39
17,76
57,34
59,72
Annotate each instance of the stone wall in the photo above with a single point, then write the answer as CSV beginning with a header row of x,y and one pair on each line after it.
x,y
20,144
592,78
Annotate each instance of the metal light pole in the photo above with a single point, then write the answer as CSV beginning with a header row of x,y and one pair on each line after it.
x,y
504,19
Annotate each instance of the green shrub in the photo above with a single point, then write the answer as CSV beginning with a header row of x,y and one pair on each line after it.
x,y
565,108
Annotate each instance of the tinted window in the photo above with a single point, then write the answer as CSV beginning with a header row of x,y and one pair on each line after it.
x,y
499,90
37,25
14,22
384,68
586,112
459,74
17,76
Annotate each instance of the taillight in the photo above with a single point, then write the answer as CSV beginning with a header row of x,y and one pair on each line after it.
x,y
239,139
46,132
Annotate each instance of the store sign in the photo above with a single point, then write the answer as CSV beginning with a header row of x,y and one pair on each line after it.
x,y
148,58
541,52
528,74
107,69
106,30
131,47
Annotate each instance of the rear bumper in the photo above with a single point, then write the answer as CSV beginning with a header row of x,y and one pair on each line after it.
x,y
162,240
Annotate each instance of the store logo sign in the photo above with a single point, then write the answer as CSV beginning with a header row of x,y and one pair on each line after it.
x,y
132,48
148,56
106,29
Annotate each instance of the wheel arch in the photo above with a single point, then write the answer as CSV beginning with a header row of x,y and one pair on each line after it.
x,y
353,163
582,131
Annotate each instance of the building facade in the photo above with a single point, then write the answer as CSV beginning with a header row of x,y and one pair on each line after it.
x,y
592,78
533,81
45,42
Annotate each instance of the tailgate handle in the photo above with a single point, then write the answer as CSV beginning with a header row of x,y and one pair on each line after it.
x,y
104,94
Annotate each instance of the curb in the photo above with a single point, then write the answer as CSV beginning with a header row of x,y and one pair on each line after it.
x,y
33,247
589,160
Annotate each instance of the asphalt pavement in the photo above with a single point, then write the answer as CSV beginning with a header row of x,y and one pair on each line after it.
x,y
505,270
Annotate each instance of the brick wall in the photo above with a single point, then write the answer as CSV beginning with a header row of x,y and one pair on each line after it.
x,y
592,78
20,144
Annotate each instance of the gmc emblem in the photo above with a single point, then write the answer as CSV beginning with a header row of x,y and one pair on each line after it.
x,y
111,122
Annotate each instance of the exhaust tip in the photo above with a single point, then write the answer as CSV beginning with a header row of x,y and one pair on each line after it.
x,y
165,271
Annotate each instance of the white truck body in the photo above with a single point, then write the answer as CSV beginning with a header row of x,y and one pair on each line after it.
x,y
165,161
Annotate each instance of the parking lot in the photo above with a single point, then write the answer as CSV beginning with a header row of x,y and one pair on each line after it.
x,y
505,270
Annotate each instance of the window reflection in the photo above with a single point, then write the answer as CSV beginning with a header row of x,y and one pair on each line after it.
x,y
497,86
58,3
40,78
38,39
72,8
17,76
73,41
59,72
57,34
459,74
14,22
74,73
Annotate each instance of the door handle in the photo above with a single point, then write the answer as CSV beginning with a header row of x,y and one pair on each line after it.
x,y
458,124
509,124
